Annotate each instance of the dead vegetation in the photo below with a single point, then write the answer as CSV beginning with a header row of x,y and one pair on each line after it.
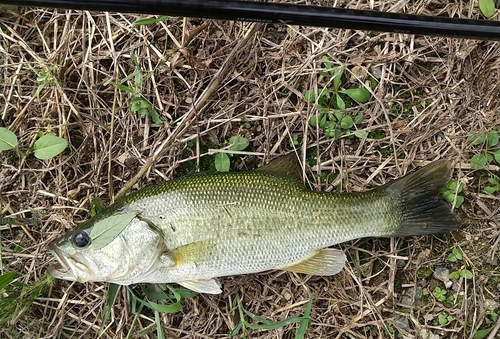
x,y
210,80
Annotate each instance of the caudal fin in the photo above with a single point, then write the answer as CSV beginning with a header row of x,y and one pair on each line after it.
x,y
422,211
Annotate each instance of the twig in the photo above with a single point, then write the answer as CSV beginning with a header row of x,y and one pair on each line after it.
x,y
493,333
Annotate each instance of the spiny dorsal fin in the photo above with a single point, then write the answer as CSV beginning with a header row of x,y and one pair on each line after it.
x,y
284,166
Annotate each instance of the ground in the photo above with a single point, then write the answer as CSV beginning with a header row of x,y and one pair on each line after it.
x,y
429,98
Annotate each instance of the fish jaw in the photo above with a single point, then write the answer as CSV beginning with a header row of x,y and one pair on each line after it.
x,y
66,266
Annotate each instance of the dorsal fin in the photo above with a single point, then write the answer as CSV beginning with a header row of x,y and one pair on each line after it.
x,y
284,166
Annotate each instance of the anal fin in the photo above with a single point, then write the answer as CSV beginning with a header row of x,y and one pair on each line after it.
x,y
209,286
325,261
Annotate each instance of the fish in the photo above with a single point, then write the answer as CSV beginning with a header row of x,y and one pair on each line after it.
x,y
194,229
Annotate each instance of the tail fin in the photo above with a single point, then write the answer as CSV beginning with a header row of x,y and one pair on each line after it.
x,y
422,210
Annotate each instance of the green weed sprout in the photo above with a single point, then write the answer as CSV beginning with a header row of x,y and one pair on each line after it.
x,y
222,160
46,147
260,323
451,193
8,140
456,255
331,102
494,185
488,141
132,84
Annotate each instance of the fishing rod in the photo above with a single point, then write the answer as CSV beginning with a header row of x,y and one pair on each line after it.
x,y
280,13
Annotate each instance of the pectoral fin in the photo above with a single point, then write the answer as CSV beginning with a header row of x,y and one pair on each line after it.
x,y
202,286
326,261
194,253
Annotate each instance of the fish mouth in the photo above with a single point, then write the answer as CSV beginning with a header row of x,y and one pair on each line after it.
x,y
63,269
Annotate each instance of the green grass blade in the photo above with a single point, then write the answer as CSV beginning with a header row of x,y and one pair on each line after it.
x,y
110,300
159,329
6,279
304,323
236,330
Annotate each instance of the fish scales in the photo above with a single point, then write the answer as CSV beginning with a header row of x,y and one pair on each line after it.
x,y
269,220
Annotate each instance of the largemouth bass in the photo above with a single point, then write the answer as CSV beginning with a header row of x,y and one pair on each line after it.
x,y
194,229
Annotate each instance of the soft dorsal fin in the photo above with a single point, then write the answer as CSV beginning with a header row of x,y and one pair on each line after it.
x,y
284,166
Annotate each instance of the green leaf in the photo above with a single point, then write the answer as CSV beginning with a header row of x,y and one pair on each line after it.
x,y
444,318
155,116
340,102
185,293
359,94
346,122
487,7
476,138
358,118
104,231
493,181
322,121
478,161
238,143
454,275
222,162
267,324
337,73
360,133
150,21
326,61
8,140
491,189
331,131
49,146
481,334
143,111
97,206
146,21
122,87
171,308
310,95
492,138
459,201
313,121
5,279
455,186
137,104
465,273
457,252
448,196
496,154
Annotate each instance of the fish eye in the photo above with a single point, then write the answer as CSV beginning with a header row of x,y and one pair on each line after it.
x,y
81,239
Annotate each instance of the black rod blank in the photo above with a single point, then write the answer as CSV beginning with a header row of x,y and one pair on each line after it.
x,y
280,13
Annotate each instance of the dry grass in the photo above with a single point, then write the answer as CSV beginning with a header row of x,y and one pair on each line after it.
x,y
207,78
